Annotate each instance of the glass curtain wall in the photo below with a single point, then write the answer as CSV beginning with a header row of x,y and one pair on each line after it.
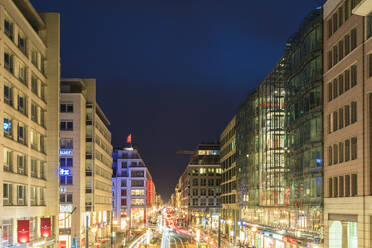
x,y
304,122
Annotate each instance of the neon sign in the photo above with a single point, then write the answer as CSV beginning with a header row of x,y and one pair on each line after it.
x,y
64,172
65,152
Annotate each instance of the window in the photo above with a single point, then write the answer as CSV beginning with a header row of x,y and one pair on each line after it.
x,y
354,184
65,162
123,202
330,155
329,124
335,121
329,59
369,26
137,183
347,80
341,186
7,194
42,64
347,44
22,72
347,150
329,27
42,117
340,84
67,107
65,198
195,182
21,42
335,88
203,182
66,143
42,197
195,192
354,112
42,170
353,75
329,92
335,187
210,182
195,202
21,165
335,154
335,55
33,197
33,168
8,61
353,39
137,192
123,192
7,127
65,180
203,192
369,65
340,118
8,28
347,185
8,160
123,183
335,22
42,143
34,57
347,10
347,115
340,16
354,148
34,112
210,202
21,103
341,152
21,195
21,133
66,125
42,92
8,94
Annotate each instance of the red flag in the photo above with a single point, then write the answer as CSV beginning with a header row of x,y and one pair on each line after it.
x,y
23,231
45,227
129,138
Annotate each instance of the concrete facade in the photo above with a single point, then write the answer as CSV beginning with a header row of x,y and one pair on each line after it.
x,y
30,72
85,166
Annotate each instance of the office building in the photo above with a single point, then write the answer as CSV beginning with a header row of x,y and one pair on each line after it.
x,y
347,129
200,187
134,193
85,167
30,72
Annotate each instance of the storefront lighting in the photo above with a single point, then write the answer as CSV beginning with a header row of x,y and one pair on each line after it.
x,y
254,229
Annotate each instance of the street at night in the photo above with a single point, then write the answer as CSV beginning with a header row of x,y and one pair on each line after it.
x,y
186,124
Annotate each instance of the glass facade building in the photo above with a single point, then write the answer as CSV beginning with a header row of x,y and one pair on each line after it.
x,y
279,148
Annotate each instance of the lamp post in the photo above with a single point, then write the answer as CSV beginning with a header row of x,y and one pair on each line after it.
x,y
219,231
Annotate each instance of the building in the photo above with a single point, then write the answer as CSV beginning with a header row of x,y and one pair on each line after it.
x,y
133,189
229,196
302,215
280,147
30,72
347,128
85,167
200,187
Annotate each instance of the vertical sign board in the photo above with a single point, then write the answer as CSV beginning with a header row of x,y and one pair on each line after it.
x,y
45,227
23,231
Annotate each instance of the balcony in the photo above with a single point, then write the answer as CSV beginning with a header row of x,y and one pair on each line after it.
x,y
363,8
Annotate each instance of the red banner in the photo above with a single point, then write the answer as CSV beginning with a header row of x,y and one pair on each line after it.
x,y
23,231
45,227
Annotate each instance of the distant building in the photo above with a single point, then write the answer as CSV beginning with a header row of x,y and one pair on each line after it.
x,y
200,186
133,189
229,196
30,81
85,166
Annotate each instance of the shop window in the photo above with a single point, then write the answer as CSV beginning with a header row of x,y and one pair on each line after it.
x,y
335,234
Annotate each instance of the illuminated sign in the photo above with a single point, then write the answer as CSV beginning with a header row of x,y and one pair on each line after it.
x,y
65,208
7,125
65,152
64,172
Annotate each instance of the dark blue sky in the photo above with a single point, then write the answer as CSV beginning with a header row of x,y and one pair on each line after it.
x,y
172,72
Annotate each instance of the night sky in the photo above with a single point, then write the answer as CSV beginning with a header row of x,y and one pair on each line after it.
x,y
172,72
